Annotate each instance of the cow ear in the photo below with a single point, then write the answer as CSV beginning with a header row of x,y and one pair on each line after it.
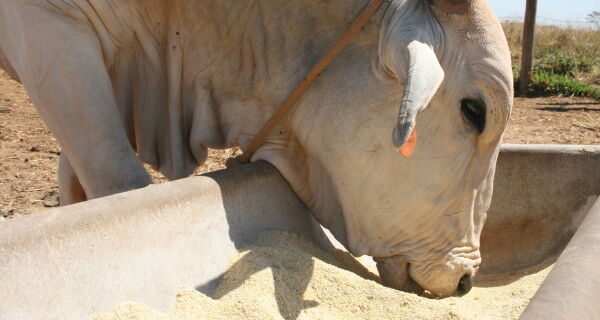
x,y
424,77
406,53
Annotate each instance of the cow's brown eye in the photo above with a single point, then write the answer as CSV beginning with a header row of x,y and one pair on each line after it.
x,y
474,113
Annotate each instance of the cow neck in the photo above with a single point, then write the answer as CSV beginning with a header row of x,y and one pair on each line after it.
x,y
308,81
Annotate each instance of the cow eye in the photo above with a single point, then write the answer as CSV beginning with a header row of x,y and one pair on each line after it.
x,y
474,113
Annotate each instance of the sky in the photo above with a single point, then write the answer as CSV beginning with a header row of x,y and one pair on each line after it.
x,y
548,10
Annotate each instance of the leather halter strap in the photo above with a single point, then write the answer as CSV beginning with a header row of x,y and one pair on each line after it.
x,y
310,79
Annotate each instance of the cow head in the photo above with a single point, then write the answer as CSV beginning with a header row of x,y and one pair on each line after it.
x,y
442,67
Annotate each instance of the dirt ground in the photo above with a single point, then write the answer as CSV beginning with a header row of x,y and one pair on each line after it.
x,y
29,153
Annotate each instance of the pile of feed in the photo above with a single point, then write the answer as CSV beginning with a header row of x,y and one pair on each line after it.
x,y
284,276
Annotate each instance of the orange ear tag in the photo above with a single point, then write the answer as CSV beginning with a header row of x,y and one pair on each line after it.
x,y
409,146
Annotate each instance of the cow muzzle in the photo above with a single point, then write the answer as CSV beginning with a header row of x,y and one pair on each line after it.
x,y
444,280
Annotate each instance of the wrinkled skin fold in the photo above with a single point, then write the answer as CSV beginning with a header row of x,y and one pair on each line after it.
x,y
162,81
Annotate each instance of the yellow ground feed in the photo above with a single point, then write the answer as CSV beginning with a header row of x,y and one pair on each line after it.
x,y
285,276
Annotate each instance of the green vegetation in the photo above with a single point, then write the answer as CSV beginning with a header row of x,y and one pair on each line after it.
x,y
567,60
548,83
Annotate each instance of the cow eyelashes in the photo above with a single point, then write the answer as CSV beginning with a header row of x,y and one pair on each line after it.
x,y
474,113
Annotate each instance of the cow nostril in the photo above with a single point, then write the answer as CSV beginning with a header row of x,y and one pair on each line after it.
x,y
464,285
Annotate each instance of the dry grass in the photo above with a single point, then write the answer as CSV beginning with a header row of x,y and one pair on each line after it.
x,y
582,43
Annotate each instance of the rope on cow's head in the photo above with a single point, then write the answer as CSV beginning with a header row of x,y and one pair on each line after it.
x,y
307,82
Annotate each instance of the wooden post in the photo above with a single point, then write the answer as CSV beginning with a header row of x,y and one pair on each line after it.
x,y
528,44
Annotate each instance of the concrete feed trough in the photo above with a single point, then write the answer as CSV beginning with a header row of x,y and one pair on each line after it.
x,y
144,245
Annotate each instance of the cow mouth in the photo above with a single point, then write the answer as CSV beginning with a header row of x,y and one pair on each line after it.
x,y
394,272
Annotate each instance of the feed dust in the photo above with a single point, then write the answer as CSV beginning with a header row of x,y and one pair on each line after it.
x,y
283,276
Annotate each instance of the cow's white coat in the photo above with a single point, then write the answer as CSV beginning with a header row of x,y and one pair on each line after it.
x,y
163,81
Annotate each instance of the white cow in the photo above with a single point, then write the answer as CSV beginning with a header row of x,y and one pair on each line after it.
x,y
161,81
